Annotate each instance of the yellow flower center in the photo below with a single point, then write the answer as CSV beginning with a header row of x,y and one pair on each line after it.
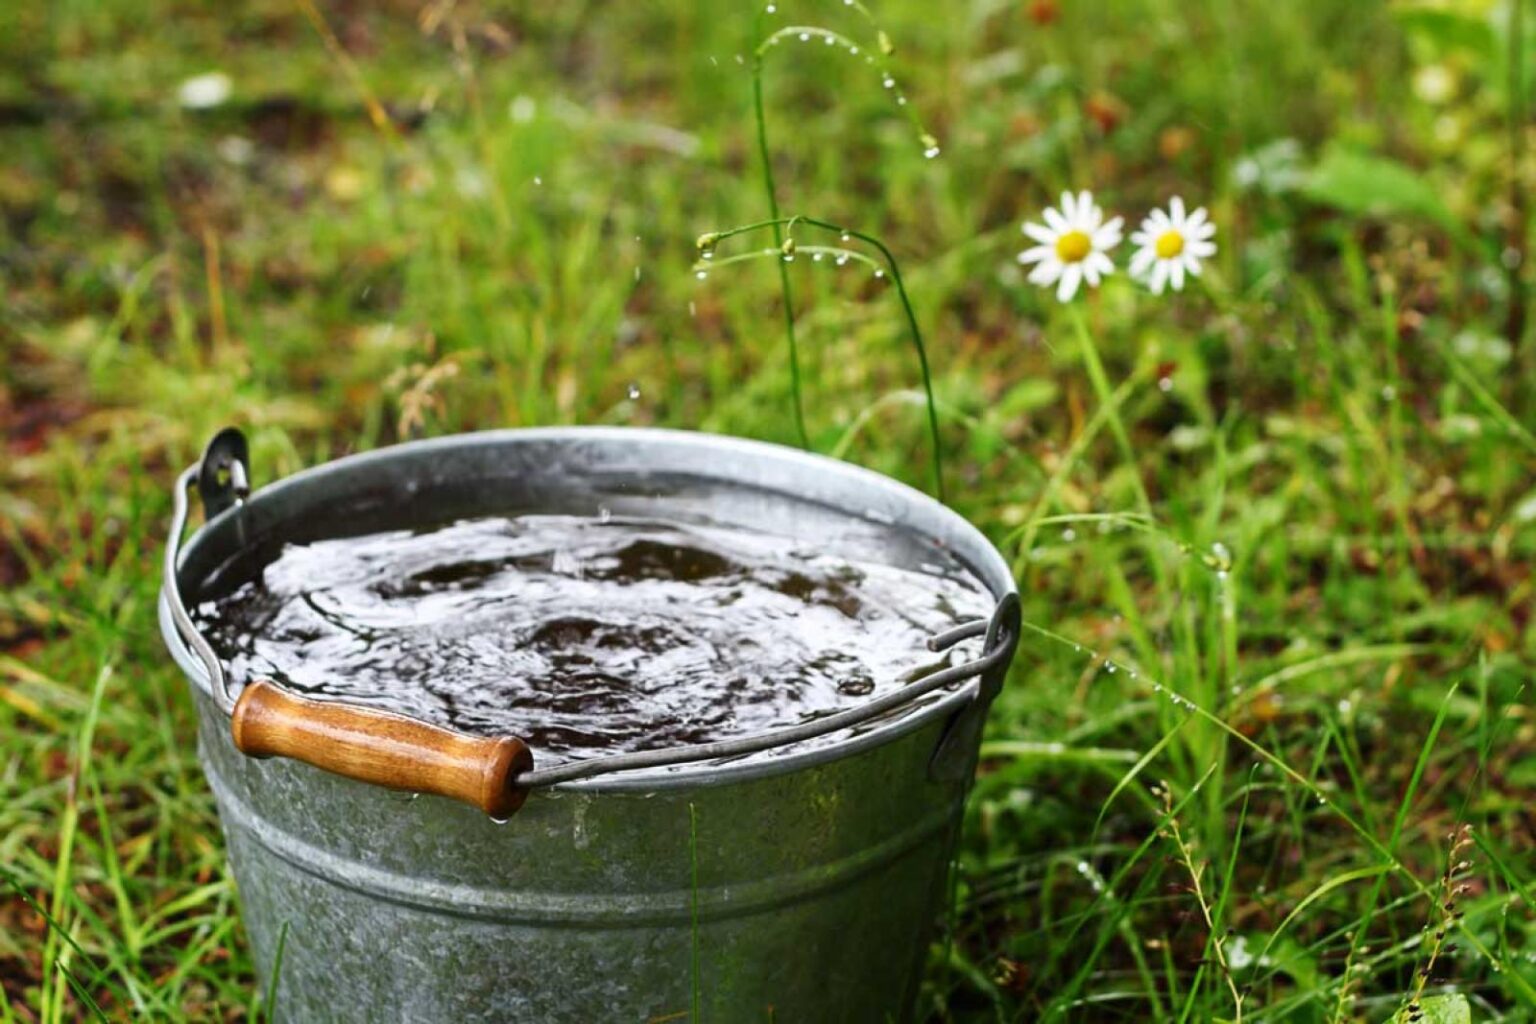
x,y
1168,245
1073,246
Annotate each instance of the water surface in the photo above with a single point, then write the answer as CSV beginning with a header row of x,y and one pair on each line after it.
x,y
588,635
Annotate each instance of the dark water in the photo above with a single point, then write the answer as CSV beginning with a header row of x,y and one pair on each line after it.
x,y
587,635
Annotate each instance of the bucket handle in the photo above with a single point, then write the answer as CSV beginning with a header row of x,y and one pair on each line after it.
x,y
493,774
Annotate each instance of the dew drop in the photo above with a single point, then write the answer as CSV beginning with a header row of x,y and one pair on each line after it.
x,y
1111,667
701,275
842,259
888,82
931,152
805,37
1165,384
633,391
772,9
853,50
828,40
1069,535
901,101
816,256
604,514
879,272
846,236
538,180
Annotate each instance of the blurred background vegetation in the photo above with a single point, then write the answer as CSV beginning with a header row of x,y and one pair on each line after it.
x,y
1224,779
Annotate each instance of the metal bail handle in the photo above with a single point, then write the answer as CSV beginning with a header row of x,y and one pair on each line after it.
x,y
495,774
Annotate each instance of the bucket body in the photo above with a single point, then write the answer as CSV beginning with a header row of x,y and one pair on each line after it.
x,y
801,885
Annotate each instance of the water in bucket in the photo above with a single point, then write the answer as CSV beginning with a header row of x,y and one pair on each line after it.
x,y
588,634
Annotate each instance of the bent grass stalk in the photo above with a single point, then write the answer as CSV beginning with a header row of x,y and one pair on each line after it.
x,y
842,43
785,253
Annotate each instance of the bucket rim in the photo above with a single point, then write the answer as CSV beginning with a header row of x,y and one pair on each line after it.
x,y
980,557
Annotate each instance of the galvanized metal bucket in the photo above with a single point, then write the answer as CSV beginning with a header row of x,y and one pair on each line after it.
x,y
756,880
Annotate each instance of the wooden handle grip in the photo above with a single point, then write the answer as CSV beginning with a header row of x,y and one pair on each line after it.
x,y
382,748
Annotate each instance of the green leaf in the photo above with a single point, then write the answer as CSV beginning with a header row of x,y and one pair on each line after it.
x,y
1367,185
1448,30
1444,1009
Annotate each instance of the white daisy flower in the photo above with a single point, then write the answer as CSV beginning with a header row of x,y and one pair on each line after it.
x,y
1170,243
1073,244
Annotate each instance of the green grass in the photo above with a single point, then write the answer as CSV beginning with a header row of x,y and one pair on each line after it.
x,y
1274,536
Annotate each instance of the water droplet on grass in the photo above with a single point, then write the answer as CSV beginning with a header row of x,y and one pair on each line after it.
x,y
931,152
888,82
805,37
633,391
701,274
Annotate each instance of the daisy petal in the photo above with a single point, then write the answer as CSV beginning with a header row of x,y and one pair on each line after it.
x,y
1070,278
1192,265
1046,273
1176,209
1035,254
1201,250
1144,258
1159,277
1057,222
1195,219
1041,234
1176,272
1100,263
1069,206
1108,236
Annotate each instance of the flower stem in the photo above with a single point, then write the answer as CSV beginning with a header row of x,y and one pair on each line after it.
x,y
1106,399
